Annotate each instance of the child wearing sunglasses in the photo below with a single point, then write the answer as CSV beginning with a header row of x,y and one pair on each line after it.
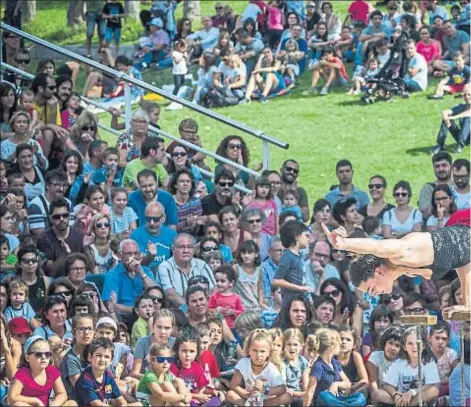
x,y
26,389
159,383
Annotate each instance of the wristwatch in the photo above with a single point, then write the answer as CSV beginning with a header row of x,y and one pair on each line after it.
x,y
413,392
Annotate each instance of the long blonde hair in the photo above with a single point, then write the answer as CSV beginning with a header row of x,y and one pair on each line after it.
x,y
325,339
260,335
85,119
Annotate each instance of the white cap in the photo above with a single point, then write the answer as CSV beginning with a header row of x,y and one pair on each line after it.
x,y
107,320
157,22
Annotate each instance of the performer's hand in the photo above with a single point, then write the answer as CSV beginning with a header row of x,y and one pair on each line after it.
x,y
336,237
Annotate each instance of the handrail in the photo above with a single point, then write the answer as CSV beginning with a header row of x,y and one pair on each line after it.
x,y
155,129
124,77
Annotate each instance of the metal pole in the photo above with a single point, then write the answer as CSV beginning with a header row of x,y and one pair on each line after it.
x,y
462,365
1,57
127,105
123,77
266,155
418,331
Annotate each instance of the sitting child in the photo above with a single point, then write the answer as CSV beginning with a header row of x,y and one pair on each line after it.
x,y
343,46
290,58
361,76
290,199
456,78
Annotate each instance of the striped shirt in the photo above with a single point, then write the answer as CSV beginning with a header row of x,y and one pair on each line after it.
x,y
170,275
38,213
189,209
120,224
8,148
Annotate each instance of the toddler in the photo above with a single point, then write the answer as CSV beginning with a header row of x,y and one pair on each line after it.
x,y
18,303
290,200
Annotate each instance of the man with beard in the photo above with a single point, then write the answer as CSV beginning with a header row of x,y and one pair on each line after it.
x,y
317,269
289,176
64,90
461,189
148,193
61,239
175,272
21,61
153,237
47,107
127,280
442,162
221,197
346,189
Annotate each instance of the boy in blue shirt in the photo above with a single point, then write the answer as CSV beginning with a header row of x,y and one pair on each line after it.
x,y
456,78
109,175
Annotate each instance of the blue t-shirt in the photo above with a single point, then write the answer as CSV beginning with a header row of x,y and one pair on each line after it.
x,y
290,269
100,176
87,388
361,197
163,242
136,202
325,376
127,289
302,46
455,43
459,77
25,311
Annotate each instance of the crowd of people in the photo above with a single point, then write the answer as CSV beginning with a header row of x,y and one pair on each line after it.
x,y
128,277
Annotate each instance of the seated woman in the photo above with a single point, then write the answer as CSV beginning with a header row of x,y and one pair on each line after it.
x,y
100,84
443,206
266,76
231,77
381,262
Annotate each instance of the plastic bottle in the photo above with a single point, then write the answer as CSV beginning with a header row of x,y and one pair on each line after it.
x,y
232,354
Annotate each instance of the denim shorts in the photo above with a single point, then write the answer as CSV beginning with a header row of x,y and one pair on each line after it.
x,y
113,32
92,20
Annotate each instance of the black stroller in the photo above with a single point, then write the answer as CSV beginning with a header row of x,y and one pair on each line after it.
x,y
390,79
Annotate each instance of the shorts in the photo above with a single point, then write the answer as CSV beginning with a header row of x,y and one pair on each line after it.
x,y
114,32
294,68
281,82
92,20
456,88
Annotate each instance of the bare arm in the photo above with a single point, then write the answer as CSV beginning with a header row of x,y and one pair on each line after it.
x,y
172,296
136,369
362,374
311,388
372,375
289,286
236,385
60,393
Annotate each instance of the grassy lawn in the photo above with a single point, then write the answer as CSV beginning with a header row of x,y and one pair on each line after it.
x,y
392,139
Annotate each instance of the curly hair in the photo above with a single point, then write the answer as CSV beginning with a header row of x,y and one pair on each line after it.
x,y
222,148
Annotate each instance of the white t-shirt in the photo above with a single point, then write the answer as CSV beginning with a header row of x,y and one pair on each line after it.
x,y
419,63
403,377
377,358
179,68
270,375
231,74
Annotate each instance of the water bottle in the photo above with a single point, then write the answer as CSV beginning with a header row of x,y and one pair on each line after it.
x,y
232,354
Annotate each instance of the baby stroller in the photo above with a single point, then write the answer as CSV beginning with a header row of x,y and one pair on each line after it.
x,y
390,79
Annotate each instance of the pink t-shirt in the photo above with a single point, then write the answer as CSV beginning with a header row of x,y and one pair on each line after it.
x,y
429,52
233,301
275,18
193,377
270,209
359,11
33,389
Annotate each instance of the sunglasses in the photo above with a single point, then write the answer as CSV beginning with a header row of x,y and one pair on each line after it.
x,y
155,219
162,359
389,298
58,216
160,300
64,293
89,128
292,169
225,184
210,249
41,355
400,194
23,61
102,225
52,87
235,146
334,293
253,221
182,154
30,261
375,186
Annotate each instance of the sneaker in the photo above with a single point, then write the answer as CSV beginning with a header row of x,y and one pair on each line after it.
x,y
314,91
313,63
437,149
263,99
324,91
458,149
244,101
435,97
174,106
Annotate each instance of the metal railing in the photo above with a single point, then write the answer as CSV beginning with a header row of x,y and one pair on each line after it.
x,y
99,105
266,139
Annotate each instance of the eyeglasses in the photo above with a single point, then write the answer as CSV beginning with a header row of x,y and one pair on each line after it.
x,y
182,154
23,61
155,219
400,194
414,311
85,329
162,359
392,8
225,184
275,183
292,169
102,225
184,246
89,293
30,261
253,221
323,255
208,249
52,87
160,300
235,146
333,293
375,186
41,355
58,185
219,8
89,128
130,253
78,269
58,216
444,198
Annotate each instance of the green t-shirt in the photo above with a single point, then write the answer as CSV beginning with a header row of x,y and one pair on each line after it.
x,y
95,6
139,329
150,377
137,165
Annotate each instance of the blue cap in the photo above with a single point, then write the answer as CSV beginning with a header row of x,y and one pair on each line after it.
x,y
30,341
157,22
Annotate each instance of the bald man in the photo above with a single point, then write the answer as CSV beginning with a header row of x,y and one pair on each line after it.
x,y
317,269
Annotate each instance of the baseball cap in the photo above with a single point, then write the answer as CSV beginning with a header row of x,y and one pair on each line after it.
x,y
19,326
157,22
311,4
108,321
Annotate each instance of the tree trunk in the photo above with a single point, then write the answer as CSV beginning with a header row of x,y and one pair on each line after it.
x,y
75,12
191,9
29,10
132,8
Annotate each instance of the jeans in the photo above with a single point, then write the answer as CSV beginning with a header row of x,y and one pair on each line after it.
x,y
412,86
92,20
178,80
459,129
327,399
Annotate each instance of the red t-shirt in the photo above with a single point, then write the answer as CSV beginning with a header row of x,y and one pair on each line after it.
x,y
33,389
342,70
209,364
359,11
193,377
460,218
232,302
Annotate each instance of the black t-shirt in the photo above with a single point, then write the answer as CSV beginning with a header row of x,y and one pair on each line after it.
x,y
363,211
113,9
211,205
313,21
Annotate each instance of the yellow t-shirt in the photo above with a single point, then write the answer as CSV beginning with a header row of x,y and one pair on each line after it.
x,y
137,165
